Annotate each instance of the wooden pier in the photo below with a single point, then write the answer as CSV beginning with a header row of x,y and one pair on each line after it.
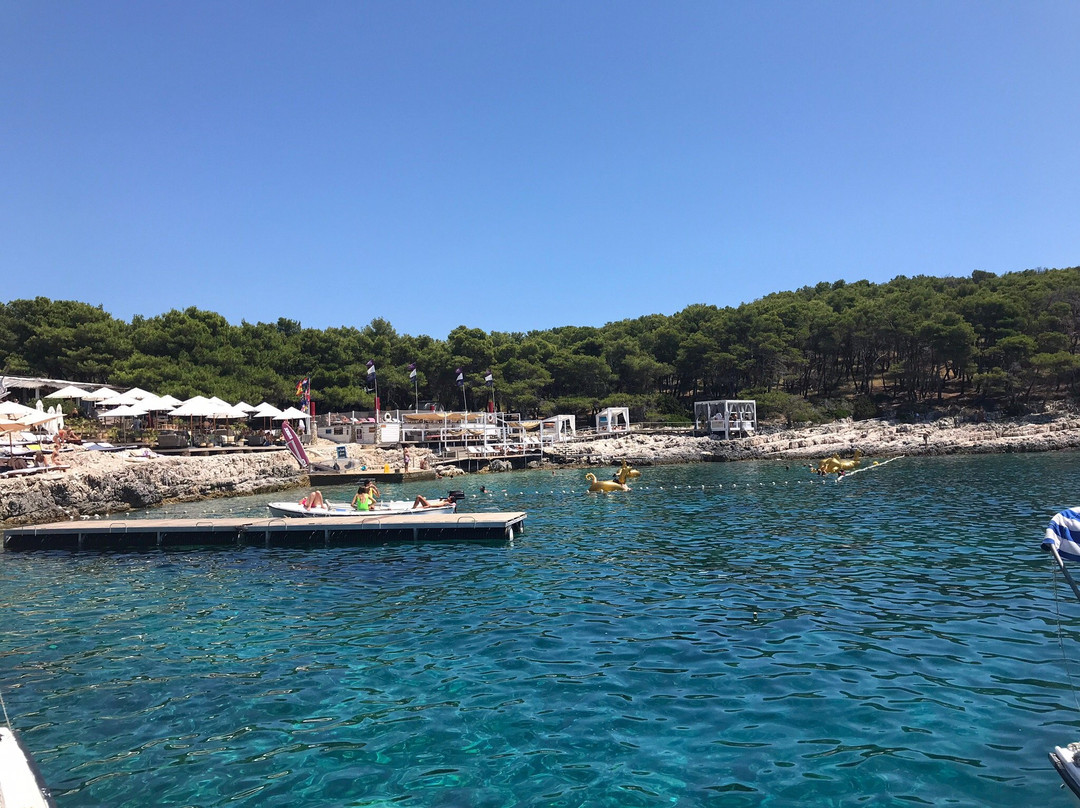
x,y
152,534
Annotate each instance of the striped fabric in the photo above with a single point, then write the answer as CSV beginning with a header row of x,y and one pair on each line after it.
x,y
1063,533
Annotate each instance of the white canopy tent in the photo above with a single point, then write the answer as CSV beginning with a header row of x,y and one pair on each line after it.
x,y
613,419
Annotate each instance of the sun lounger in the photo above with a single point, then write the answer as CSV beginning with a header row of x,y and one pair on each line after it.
x,y
29,470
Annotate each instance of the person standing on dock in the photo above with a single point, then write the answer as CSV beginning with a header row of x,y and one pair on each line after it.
x,y
405,453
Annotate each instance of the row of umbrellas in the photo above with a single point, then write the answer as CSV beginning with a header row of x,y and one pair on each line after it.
x,y
16,417
138,402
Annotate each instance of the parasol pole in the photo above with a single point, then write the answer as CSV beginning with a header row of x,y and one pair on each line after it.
x,y
1065,571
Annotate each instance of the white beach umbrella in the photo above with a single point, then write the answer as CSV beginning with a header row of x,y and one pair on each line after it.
x,y
71,391
290,414
243,405
266,410
155,404
139,394
29,419
170,399
196,406
100,394
120,398
225,411
13,409
125,411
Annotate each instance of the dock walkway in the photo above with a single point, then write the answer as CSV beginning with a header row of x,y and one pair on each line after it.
x,y
150,534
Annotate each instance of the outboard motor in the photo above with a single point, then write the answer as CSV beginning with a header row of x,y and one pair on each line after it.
x,y
454,496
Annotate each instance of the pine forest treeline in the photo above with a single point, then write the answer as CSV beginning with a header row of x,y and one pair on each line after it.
x,y
1009,341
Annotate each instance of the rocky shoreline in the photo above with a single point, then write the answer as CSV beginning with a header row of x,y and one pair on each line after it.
x,y
99,483
874,437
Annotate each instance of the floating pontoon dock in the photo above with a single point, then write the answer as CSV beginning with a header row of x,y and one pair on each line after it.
x,y
150,534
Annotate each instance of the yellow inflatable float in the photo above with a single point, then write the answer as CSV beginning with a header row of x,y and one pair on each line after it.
x,y
836,464
606,485
618,484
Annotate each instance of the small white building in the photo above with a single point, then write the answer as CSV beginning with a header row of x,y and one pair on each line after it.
x,y
729,417
613,419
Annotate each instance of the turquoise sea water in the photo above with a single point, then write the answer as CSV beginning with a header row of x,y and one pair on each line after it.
x,y
726,634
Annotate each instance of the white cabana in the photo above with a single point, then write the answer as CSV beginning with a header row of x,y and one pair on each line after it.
x,y
558,428
613,419
726,417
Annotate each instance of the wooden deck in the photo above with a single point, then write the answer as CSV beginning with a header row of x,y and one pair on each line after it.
x,y
151,534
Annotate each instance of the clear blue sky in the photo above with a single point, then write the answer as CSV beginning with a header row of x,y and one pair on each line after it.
x,y
512,165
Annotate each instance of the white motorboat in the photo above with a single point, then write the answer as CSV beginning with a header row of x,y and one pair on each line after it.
x,y
385,508
21,783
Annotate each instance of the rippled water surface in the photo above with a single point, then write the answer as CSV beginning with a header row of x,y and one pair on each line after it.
x,y
726,634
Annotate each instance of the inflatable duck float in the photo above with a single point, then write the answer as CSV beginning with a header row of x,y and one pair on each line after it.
x,y
836,464
618,484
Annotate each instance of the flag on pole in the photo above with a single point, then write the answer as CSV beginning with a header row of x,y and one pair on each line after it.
x,y
412,371
303,386
488,380
371,373
460,378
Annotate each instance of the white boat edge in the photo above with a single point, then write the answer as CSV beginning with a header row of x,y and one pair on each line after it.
x,y
21,784
391,508
1064,760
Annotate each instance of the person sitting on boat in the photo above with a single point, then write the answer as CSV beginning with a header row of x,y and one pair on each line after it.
x,y
422,502
364,499
314,501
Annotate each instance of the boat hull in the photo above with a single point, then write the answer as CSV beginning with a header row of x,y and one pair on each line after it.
x,y
393,508
1067,766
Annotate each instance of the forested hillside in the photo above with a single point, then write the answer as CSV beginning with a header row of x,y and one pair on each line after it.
x,y
1007,341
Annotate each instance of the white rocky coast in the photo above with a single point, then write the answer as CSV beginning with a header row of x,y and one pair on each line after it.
x,y
875,438
99,483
